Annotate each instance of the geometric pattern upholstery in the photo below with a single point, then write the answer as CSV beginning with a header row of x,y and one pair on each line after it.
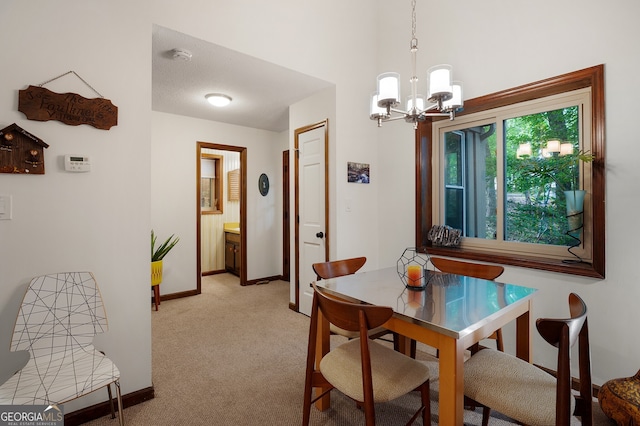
x,y
58,319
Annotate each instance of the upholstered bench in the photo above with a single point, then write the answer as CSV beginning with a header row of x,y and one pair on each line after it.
x,y
620,400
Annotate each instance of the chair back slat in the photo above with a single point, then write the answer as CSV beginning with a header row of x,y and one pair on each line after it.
x,y
563,334
586,386
61,311
338,268
553,330
468,269
348,315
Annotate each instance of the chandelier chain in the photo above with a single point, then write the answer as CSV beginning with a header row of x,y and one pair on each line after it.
x,y
413,19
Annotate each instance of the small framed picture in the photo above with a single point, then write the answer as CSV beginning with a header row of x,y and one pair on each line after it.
x,y
358,172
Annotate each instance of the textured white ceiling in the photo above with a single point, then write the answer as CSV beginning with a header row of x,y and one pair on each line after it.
x,y
261,91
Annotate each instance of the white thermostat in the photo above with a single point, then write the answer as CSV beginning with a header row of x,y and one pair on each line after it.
x,y
77,163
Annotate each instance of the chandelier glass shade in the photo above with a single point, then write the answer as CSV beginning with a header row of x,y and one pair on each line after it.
x,y
552,147
444,94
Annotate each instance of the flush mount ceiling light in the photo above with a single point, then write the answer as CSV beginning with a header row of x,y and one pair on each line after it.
x,y
218,99
181,55
445,94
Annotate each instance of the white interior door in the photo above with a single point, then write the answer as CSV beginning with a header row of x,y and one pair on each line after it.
x,y
311,205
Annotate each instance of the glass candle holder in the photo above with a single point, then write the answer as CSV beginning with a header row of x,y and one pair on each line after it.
x,y
412,269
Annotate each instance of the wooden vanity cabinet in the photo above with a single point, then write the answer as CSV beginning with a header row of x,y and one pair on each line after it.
x,y
232,251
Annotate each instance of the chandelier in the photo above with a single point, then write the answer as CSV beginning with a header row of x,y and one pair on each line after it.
x,y
444,94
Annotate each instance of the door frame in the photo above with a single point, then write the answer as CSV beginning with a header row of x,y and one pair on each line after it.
x,y
243,209
297,133
286,217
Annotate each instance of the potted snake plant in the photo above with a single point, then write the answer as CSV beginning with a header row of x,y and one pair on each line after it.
x,y
158,253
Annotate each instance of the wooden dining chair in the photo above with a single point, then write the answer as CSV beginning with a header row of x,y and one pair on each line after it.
x,y
524,392
475,270
361,368
339,268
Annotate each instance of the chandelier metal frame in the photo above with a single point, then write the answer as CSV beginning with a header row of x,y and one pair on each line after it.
x,y
444,94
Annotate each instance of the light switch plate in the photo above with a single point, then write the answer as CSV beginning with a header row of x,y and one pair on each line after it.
x,y
5,207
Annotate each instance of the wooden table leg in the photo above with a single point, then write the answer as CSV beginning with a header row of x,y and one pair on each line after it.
x,y
451,362
523,335
404,344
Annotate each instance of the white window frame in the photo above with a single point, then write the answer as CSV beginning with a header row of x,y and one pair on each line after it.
x,y
593,78
580,98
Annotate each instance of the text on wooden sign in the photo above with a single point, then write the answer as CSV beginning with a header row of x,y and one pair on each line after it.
x,y
41,104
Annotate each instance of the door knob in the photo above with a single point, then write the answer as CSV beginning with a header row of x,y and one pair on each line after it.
x,y
320,234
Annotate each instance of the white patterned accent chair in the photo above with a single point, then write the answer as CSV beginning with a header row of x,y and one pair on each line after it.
x,y
57,321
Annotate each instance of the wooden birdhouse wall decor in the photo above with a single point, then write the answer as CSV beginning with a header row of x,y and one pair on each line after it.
x,y
21,152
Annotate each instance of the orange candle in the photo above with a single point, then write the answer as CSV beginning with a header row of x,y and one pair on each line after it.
x,y
414,275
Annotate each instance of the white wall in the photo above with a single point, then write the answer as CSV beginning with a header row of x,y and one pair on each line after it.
x,y
317,39
494,45
173,195
100,221
97,221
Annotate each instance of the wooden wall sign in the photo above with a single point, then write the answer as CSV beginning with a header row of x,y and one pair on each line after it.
x,y
41,104
21,152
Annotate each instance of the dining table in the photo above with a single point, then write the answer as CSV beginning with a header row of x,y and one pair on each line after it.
x,y
448,312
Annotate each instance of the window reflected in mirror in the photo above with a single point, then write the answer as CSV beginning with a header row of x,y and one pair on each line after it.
x,y
210,184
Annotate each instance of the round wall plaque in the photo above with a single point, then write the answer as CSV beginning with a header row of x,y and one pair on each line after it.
x,y
263,184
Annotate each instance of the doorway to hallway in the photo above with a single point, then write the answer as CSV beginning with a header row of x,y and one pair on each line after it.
x,y
221,199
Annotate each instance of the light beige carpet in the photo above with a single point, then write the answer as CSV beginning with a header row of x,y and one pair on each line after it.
x,y
235,356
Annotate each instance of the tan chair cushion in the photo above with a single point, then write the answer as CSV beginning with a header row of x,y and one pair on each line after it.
x,y
393,373
511,386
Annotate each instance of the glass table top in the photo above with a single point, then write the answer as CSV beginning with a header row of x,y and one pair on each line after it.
x,y
451,304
